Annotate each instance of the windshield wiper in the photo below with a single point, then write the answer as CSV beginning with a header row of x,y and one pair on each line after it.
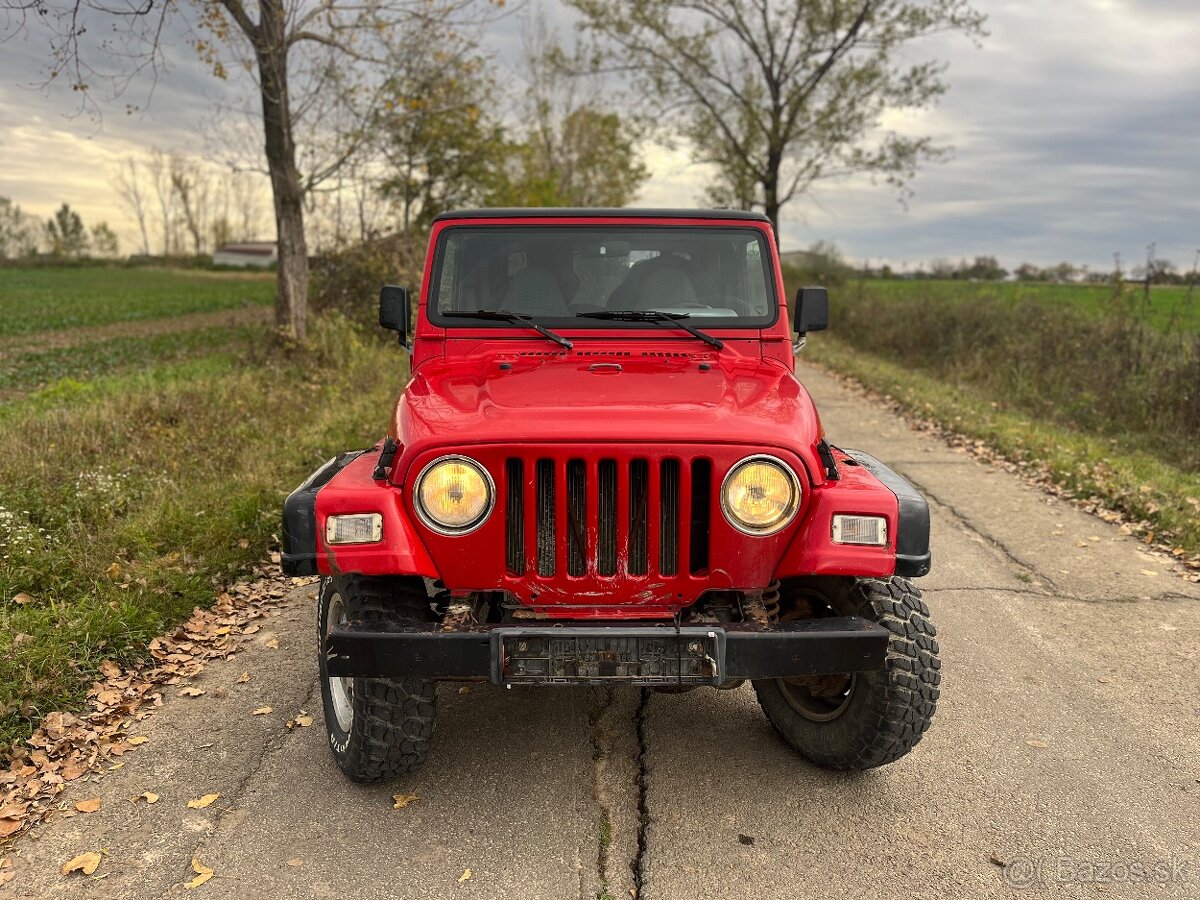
x,y
650,315
503,315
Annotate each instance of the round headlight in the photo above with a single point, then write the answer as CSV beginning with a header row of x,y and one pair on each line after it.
x,y
454,495
760,495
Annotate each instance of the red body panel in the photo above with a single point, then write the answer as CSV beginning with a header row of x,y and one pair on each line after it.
x,y
619,396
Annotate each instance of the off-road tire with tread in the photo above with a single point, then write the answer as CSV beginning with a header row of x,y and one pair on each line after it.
x,y
393,718
889,709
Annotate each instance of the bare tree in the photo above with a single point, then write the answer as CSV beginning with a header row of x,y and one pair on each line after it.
x,y
275,37
190,185
130,188
777,94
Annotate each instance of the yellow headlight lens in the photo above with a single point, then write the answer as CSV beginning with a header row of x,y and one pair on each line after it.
x,y
454,494
760,495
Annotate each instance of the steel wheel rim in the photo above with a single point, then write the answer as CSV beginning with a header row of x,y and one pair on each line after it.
x,y
341,688
823,706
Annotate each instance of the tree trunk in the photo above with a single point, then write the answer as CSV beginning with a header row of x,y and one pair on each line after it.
x,y
291,290
771,189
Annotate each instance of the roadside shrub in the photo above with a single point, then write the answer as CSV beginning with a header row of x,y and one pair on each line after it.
x,y
1111,375
349,280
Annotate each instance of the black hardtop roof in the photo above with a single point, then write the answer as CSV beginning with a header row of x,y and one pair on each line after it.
x,y
547,212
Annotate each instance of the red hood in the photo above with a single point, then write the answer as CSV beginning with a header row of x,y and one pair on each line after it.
x,y
616,396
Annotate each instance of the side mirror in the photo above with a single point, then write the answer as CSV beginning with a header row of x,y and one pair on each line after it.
x,y
812,310
394,310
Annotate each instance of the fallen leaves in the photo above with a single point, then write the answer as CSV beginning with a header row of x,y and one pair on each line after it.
x,y
192,692
22,599
87,863
262,711
149,796
203,802
1034,742
203,873
243,678
87,806
271,643
66,747
295,862
301,721
465,876
402,800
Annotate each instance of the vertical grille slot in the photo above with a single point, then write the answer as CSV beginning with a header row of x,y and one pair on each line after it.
x,y
668,518
545,517
701,507
576,517
606,538
514,517
639,517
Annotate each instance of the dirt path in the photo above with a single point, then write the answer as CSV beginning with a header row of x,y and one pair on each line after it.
x,y
1066,752
74,337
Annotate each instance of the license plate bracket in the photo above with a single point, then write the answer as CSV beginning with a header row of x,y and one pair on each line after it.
x,y
650,656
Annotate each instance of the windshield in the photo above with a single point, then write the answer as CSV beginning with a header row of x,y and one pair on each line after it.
x,y
718,275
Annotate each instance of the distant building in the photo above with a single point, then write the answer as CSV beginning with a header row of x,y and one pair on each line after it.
x,y
250,254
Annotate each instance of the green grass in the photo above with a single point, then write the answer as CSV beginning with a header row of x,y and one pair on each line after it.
x,y
1169,307
32,369
169,478
42,299
1117,474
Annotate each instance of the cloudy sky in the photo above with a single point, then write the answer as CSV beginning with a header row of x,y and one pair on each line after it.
x,y
1075,128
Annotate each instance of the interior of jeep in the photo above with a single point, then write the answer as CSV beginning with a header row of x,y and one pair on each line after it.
x,y
560,273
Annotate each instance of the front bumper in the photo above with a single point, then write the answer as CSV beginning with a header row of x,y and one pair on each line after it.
x,y
647,655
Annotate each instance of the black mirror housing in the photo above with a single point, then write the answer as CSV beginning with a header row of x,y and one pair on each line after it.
x,y
812,309
394,310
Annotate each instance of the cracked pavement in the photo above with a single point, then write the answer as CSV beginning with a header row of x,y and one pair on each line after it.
x,y
1055,628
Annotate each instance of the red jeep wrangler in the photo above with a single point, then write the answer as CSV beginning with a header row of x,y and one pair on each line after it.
x,y
603,472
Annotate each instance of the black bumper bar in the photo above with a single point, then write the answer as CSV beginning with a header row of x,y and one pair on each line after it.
x,y
646,655
912,532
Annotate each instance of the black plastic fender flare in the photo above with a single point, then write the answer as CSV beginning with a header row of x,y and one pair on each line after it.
x,y
299,556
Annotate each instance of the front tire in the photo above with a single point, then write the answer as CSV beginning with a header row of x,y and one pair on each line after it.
x,y
866,719
378,728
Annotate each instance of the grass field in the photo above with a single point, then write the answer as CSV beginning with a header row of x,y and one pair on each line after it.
x,y
1096,388
138,474
1168,307
34,300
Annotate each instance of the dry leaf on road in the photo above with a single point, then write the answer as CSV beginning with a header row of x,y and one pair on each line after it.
x,y
465,876
295,863
243,678
137,740
192,692
149,796
87,863
203,873
87,806
9,827
304,721
272,643
403,800
262,710
202,802
1036,743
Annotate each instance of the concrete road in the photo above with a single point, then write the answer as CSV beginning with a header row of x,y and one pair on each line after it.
x,y
1054,627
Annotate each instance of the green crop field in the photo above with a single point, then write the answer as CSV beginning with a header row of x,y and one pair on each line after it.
x,y
34,300
140,468
1100,389
1166,307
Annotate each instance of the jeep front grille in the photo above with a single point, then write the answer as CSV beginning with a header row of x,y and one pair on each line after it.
x,y
607,517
